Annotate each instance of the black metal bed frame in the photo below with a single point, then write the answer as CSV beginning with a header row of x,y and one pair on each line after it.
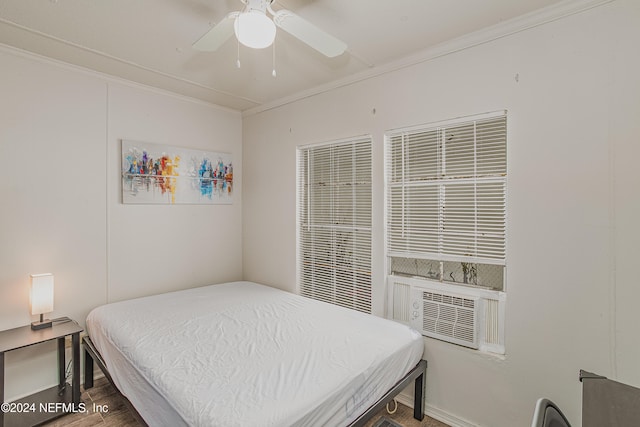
x,y
417,375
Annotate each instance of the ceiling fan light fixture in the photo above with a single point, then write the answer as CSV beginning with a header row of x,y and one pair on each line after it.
x,y
255,29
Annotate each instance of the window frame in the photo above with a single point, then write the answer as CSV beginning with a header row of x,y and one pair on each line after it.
x,y
359,227
438,184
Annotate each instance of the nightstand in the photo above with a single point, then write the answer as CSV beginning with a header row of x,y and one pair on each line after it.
x,y
55,401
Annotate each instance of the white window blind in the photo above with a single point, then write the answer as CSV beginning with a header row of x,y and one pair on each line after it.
x,y
446,191
334,223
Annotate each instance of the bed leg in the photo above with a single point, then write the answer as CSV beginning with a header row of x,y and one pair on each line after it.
x,y
88,370
418,402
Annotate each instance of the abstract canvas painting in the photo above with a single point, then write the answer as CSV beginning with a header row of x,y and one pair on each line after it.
x,y
163,174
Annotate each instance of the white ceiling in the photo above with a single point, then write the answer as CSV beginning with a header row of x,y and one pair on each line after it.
x,y
149,41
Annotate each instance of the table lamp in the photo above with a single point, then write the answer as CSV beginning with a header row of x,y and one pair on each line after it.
x,y
41,298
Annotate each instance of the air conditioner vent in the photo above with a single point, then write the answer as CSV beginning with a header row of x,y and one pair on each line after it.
x,y
449,317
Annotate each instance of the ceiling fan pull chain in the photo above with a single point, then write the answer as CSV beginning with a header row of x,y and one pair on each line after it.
x,y
273,73
238,60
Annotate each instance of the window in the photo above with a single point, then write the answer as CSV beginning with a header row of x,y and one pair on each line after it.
x,y
334,222
445,229
446,190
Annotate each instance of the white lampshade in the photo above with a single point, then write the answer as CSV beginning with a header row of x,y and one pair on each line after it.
x,y
255,29
41,293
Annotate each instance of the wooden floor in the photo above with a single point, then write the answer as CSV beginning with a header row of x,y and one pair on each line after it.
x,y
105,408
404,417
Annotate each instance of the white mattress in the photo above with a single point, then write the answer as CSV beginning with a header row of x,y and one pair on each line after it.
x,y
243,354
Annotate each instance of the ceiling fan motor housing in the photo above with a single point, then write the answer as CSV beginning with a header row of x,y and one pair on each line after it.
x,y
253,27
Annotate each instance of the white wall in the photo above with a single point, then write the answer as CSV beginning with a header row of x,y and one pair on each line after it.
x,y
571,90
61,210
162,248
624,130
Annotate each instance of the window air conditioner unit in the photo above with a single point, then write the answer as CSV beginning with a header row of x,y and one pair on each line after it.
x,y
445,316
456,314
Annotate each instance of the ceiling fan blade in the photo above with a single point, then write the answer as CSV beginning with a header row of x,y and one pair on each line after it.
x,y
216,36
309,33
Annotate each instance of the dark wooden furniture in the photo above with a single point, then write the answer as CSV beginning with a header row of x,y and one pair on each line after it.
x,y
608,403
55,401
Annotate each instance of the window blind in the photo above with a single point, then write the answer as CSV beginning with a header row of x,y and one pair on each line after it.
x,y
446,190
334,223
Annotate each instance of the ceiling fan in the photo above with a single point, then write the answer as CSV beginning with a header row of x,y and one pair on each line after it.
x,y
254,28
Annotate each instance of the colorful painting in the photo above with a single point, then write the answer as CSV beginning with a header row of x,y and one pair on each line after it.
x,y
162,174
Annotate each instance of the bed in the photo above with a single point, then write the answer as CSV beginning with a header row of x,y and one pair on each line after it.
x,y
244,354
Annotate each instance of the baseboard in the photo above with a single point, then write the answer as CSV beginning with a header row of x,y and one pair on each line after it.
x,y
435,413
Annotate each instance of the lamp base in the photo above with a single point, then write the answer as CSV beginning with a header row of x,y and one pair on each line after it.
x,y
41,325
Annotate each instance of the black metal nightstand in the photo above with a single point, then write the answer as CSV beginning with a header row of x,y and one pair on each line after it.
x,y
55,401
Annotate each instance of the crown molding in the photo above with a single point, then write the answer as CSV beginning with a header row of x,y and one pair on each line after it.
x,y
108,78
181,86
495,32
